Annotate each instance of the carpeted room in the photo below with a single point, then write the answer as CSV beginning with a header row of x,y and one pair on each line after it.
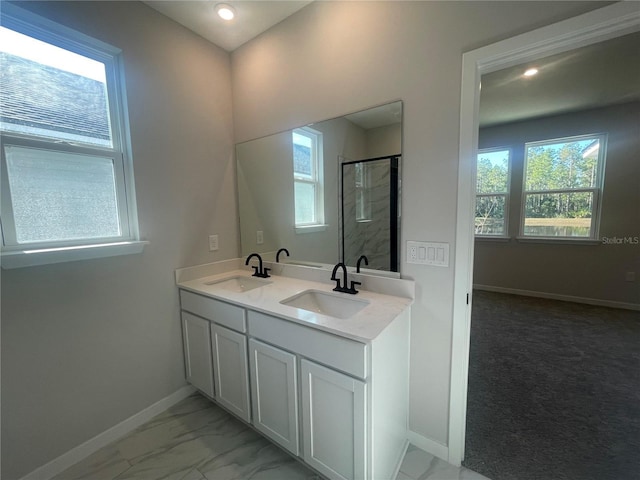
x,y
553,390
555,329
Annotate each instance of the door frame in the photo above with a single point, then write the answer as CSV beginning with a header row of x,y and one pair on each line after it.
x,y
592,27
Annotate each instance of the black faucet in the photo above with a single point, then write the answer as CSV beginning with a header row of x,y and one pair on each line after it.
x,y
258,271
366,262
339,287
279,252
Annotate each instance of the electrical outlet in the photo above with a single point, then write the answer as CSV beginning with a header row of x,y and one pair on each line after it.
x,y
259,237
412,252
213,243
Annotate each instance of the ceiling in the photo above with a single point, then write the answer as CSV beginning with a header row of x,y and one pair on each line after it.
x,y
252,18
598,75
602,74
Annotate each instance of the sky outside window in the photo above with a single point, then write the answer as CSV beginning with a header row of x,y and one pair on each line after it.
x,y
35,50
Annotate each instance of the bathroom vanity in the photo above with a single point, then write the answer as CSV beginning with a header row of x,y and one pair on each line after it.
x,y
322,374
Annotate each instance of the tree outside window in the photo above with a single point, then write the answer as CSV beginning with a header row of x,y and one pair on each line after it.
x,y
562,187
492,191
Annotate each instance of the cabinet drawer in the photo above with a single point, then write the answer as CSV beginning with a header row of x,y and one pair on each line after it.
x,y
222,313
341,353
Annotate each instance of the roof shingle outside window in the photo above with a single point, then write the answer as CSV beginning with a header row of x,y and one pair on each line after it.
x,y
45,98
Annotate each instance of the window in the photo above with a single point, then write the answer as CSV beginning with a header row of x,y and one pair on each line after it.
x,y
562,187
308,178
67,176
492,192
363,192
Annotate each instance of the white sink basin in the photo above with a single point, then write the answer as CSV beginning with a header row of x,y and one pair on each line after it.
x,y
239,284
333,304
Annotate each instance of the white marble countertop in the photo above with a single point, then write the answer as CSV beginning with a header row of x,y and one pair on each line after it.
x,y
363,326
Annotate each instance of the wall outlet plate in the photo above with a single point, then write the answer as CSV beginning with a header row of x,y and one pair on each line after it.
x,y
428,253
259,237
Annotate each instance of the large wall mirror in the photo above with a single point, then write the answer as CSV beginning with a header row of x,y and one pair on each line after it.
x,y
327,192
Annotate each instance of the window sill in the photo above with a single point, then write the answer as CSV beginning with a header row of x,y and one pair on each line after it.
x,y
311,228
489,238
559,240
46,256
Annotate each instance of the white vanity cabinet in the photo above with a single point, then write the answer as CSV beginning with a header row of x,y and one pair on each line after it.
x,y
215,347
230,370
352,396
339,404
334,422
197,352
274,394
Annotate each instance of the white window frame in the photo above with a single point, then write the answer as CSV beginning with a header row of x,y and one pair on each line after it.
x,y
316,179
505,194
362,186
596,190
17,255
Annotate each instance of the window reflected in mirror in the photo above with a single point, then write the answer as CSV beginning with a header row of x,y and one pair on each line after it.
x,y
307,176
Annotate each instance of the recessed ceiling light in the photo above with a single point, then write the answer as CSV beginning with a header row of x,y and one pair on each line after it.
x,y
531,72
226,12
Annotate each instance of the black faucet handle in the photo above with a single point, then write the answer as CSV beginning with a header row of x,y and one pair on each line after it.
x,y
338,285
265,272
255,272
353,286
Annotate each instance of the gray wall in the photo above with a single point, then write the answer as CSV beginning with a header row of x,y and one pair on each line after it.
x,y
384,141
589,271
352,55
87,344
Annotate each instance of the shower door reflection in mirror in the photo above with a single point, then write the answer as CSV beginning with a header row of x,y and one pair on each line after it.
x,y
370,212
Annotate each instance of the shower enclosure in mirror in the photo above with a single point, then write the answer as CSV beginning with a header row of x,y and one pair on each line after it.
x,y
289,189
369,212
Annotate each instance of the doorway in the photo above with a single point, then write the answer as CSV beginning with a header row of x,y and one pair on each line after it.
x,y
597,26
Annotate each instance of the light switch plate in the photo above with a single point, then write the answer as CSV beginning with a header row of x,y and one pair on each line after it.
x,y
213,243
428,253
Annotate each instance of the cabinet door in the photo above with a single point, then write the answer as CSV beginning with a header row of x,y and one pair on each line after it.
x,y
230,370
274,394
197,352
333,416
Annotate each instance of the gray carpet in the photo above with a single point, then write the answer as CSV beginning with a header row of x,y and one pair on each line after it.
x,y
554,390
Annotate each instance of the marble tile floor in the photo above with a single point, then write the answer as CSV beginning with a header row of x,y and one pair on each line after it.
x,y
197,440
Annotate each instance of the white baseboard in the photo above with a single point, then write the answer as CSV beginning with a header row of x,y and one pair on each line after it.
x,y
73,456
430,446
556,296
